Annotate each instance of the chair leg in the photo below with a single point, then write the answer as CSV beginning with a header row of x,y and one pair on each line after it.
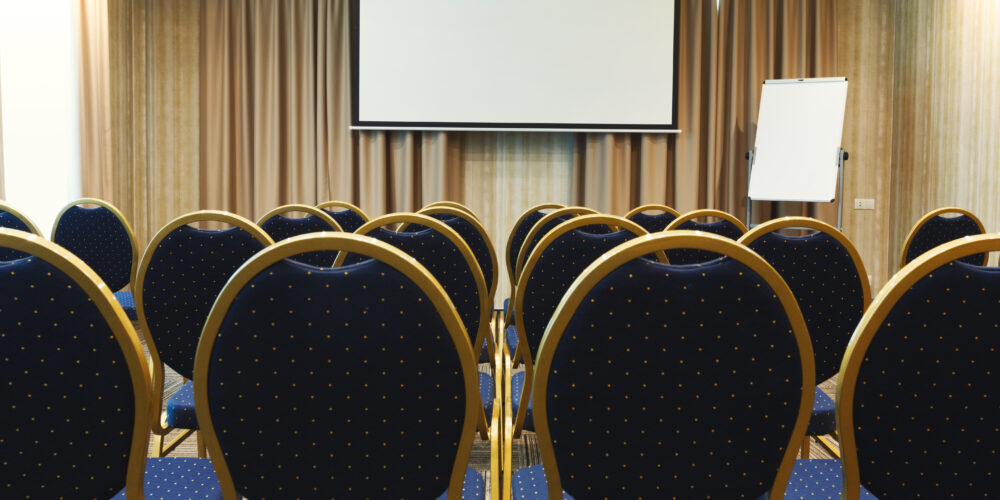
x,y
805,447
828,443
202,453
157,448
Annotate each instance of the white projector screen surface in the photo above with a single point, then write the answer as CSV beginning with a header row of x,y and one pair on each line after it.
x,y
799,129
515,64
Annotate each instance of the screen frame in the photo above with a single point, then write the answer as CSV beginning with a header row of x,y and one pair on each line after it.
x,y
357,124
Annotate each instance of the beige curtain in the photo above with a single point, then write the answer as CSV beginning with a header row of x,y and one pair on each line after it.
x,y
95,98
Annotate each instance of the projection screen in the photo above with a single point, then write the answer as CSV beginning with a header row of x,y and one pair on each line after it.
x,y
577,65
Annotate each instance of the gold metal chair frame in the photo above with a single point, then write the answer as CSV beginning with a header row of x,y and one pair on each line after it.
x,y
872,320
346,206
930,215
483,333
451,204
295,207
510,236
345,243
159,426
522,352
121,327
5,207
649,207
866,289
121,218
645,245
706,212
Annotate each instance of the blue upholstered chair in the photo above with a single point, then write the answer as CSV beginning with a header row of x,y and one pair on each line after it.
x,y
451,204
11,218
180,276
367,367
830,284
349,216
517,235
918,396
938,227
652,222
444,253
101,237
657,380
558,259
474,234
280,227
76,387
726,225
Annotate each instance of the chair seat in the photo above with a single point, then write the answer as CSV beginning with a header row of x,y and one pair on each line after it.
x,y
530,483
823,420
506,304
128,304
510,334
487,391
180,478
516,387
180,408
473,486
817,478
484,353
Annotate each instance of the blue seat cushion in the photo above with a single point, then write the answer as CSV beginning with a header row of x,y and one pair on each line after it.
x,y
824,415
506,304
484,353
180,478
817,478
128,304
487,391
180,408
530,483
516,387
510,334
473,486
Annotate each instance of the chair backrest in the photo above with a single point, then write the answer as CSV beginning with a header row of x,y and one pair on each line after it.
x,y
11,218
827,277
658,380
726,226
519,232
366,367
350,217
181,274
472,231
452,204
938,227
540,229
101,237
76,382
917,397
654,222
446,255
279,227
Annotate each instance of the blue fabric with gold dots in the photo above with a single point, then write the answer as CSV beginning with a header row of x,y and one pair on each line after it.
x,y
817,478
349,220
180,479
926,399
510,334
529,483
691,256
516,387
519,235
280,228
127,302
180,408
97,237
11,221
667,378
823,420
473,486
67,399
550,225
653,222
359,370
185,274
939,230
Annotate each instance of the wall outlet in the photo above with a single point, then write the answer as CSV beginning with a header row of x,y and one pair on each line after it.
x,y
864,204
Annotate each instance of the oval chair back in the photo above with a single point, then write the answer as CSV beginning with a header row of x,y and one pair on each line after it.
x,y
11,218
726,226
396,403
452,204
555,263
917,395
181,274
279,227
75,379
938,227
349,217
540,229
474,234
654,379
520,231
652,222
101,237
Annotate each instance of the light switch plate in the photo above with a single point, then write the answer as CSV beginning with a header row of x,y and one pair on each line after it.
x,y
864,204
